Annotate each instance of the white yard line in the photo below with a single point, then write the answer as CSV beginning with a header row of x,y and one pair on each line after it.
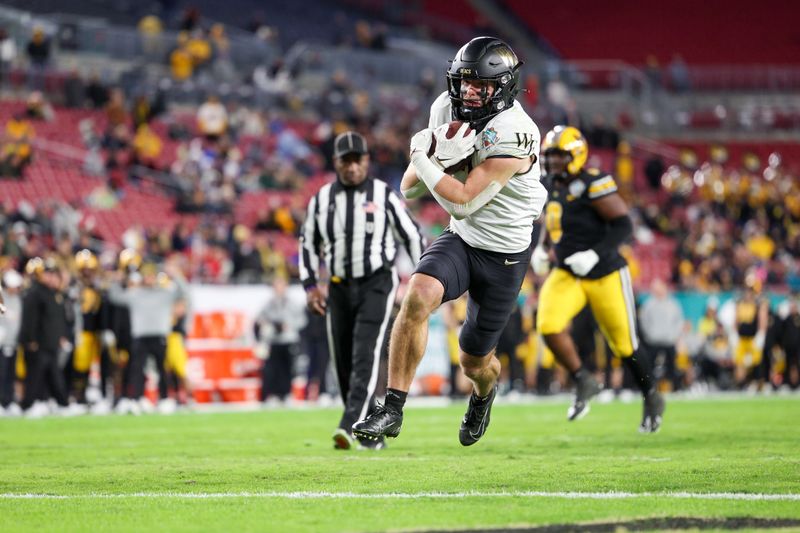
x,y
415,495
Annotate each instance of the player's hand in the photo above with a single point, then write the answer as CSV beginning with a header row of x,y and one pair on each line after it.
x,y
583,262
2,309
449,152
315,300
540,261
421,141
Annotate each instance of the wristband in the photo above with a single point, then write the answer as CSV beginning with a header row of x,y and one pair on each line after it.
x,y
428,172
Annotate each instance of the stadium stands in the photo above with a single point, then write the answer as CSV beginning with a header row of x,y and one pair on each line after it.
x,y
701,33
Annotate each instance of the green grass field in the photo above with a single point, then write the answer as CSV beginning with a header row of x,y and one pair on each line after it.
x,y
275,470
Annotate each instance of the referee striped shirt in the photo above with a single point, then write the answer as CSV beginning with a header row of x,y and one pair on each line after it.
x,y
356,231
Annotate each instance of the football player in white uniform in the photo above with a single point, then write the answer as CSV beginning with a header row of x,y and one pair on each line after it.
x,y
485,250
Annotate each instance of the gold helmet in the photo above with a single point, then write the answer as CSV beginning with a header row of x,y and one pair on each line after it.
x,y
129,259
85,259
570,140
149,268
34,267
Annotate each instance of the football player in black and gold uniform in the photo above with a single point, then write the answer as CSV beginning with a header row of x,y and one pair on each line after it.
x,y
752,318
586,220
88,345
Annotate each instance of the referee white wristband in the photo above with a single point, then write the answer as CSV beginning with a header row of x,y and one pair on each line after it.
x,y
429,172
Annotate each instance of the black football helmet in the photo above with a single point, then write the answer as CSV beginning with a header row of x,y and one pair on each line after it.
x,y
484,58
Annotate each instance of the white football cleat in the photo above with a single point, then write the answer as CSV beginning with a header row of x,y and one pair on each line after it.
x,y
73,409
37,410
101,408
146,406
167,406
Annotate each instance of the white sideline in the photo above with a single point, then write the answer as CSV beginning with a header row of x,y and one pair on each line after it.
x,y
415,495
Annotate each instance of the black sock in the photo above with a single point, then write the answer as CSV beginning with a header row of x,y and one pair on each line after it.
x,y
396,399
577,374
641,374
479,400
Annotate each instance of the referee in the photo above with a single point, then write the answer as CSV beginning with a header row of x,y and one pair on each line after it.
x,y
354,224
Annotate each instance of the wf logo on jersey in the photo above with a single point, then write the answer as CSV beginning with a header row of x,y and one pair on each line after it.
x,y
526,141
490,137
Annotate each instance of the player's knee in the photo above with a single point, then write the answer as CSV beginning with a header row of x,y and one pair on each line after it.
x,y
423,296
473,366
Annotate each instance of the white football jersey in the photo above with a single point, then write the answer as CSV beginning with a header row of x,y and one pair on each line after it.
x,y
505,223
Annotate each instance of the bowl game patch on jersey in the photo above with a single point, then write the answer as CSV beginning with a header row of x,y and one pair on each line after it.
x,y
490,137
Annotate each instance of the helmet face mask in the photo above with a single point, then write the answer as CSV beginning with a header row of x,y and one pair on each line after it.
x,y
556,163
484,59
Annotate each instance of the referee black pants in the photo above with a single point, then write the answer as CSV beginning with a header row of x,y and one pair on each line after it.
x,y
358,317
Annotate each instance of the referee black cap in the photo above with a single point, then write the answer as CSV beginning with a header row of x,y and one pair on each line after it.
x,y
349,142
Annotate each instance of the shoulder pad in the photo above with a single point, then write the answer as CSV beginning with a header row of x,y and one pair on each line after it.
x,y
600,185
440,111
511,132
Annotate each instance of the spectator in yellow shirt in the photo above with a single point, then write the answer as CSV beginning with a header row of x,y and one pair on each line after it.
x,y
17,151
181,62
147,147
199,48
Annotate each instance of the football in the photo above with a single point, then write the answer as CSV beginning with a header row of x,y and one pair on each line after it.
x,y
452,129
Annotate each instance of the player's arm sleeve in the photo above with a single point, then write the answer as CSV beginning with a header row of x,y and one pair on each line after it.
x,y
310,239
618,231
601,186
602,192
463,199
404,226
411,186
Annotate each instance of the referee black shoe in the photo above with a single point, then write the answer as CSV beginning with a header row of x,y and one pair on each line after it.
x,y
653,412
586,388
383,422
476,420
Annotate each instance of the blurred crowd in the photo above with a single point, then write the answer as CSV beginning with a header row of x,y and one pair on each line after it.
x,y
729,221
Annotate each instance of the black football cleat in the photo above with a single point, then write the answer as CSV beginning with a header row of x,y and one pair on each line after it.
x,y
654,407
476,420
367,444
383,422
586,388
